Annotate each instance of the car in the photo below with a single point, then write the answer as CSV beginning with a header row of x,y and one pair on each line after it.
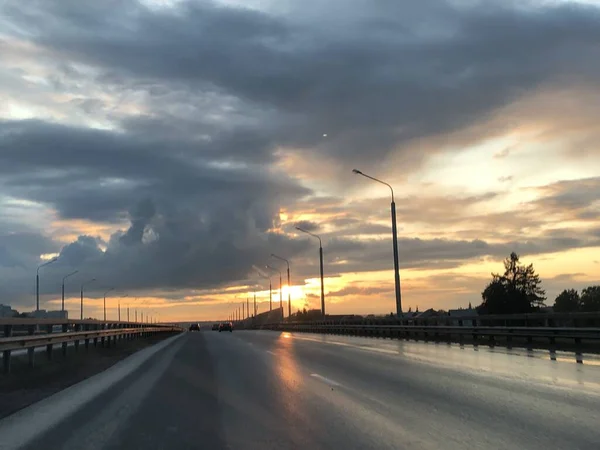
x,y
215,326
226,326
195,327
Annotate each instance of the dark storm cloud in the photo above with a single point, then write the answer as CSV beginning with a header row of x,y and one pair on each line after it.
x,y
193,223
23,249
577,199
98,175
371,84
222,88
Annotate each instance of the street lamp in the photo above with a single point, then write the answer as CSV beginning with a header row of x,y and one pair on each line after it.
x,y
119,307
63,288
289,286
280,290
37,282
394,242
270,290
82,286
321,264
111,289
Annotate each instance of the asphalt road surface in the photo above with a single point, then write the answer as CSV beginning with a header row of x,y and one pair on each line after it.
x,y
268,390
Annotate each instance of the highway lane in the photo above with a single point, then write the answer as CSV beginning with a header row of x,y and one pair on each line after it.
x,y
267,390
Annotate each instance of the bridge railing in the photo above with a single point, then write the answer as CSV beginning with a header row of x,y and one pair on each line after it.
x,y
29,334
547,336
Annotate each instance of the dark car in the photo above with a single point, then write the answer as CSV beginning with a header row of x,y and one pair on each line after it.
x,y
215,326
194,327
226,326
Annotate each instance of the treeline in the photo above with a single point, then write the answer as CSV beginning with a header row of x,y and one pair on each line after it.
x,y
569,300
519,290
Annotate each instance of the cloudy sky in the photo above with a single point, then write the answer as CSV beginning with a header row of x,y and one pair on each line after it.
x,y
167,148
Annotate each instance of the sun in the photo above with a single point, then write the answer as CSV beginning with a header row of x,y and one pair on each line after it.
x,y
297,293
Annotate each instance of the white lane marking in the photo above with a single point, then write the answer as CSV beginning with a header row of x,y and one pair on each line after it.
x,y
269,351
325,379
379,350
25,425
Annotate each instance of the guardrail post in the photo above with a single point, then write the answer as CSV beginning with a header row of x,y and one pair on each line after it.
x,y
95,328
31,351
65,329
77,328
102,339
6,354
106,327
86,341
49,329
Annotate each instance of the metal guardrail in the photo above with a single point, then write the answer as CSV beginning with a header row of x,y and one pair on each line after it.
x,y
459,333
106,333
537,319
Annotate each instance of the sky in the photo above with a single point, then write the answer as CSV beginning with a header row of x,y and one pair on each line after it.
x,y
167,148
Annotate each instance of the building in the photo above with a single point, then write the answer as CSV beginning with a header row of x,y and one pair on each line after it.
x,y
43,314
7,311
462,316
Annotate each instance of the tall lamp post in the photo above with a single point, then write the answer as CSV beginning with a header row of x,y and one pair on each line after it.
x,y
63,288
321,265
270,290
82,286
280,285
289,285
394,243
37,282
111,289
119,307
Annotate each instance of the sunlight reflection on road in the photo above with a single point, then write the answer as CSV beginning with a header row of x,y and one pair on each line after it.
x,y
529,366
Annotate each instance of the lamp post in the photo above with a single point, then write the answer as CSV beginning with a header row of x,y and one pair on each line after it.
x,y
82,286
37,282
394,243
111,289
270,290
289,285
280,290
63,288
321,265
119,307
254,302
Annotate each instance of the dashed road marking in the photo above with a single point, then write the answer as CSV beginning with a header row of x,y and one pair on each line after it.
x,y
325,379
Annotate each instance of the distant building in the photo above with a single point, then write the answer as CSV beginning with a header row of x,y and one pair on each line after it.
x,y
7,311
462,316
43,314
427,313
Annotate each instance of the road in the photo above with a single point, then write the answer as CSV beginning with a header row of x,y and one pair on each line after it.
x,y
268,390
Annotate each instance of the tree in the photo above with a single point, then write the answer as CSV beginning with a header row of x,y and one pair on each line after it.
x,y
567,301
590,299
518,290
